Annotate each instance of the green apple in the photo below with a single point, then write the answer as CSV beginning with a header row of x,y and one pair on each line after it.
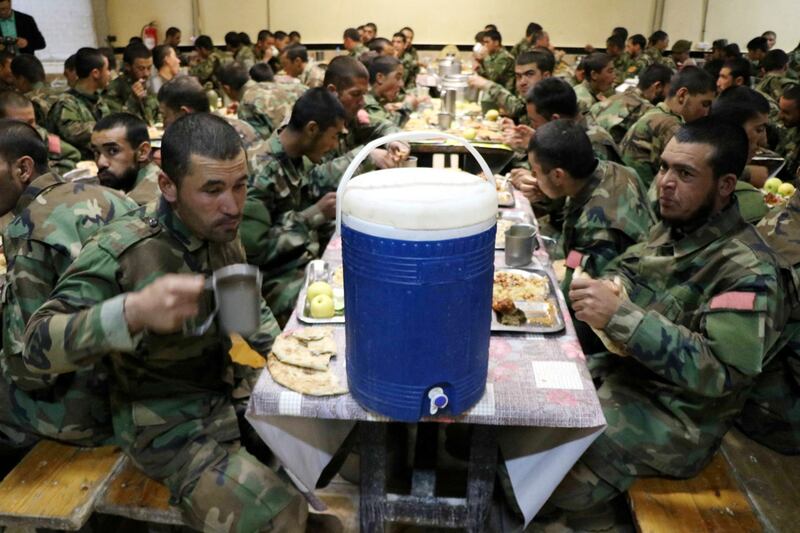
x,y
492,115
786,190
469,133
322,306
772,185
317,288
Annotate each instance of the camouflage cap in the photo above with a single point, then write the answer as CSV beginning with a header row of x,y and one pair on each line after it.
x,y
681,46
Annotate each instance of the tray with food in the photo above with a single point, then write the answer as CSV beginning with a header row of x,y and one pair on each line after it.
x,y
321,300
524,300
506,219
505,192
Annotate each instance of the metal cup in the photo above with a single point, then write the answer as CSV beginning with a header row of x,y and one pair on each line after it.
x,y
237,300
449,101
445,119
520,243
410,162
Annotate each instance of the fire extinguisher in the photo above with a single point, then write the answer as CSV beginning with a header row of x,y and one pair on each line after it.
x,y
150,35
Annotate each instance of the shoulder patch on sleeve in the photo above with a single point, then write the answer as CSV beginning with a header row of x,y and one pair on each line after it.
x,y
574,259
741,301
54,144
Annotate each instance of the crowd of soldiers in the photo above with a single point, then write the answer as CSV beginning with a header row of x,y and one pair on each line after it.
x,y
683,285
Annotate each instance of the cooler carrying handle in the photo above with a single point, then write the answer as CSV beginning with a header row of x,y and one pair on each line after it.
x,y
400,136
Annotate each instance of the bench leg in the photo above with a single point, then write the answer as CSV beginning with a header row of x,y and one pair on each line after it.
x,y
482,466
373,476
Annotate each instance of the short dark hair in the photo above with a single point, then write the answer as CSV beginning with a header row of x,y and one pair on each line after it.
x,y
29,67
719,44
109,54
279,35
695,79
200,134
184,91
654,73
409,28
638,40
595,62
493,35
489,27
739,104
232,39
296,50
135,51
728,140
616,40
620,30
135,39
318,105
657,37
792,93
732,51
234,74
378,44
532,28
69,63
758,43
261,72
160,54
135,128
18,139
553,96
775,59
12,100
86,60
244,38
479,36
204,42
371,25
769,32
172,30
351,33
399,35
294,34
342,72
740,67
265,34
543,59
564,144
381,65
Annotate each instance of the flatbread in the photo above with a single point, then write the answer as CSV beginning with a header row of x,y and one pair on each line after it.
x,y
325,345
303,380
291,351
306,335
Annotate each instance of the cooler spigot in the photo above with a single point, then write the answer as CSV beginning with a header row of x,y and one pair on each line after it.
x,y
438,399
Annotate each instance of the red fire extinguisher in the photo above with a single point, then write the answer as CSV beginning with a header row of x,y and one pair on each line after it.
x,y
150,35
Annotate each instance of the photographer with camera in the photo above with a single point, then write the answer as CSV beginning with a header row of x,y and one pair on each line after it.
x,y
18,31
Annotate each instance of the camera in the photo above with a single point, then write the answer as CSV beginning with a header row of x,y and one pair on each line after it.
x,y
9,44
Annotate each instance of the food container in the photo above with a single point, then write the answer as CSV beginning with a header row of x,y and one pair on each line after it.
x,y
534,322
418,252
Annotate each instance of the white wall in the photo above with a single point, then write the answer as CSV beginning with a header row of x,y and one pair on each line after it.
x,y
741,20
66,25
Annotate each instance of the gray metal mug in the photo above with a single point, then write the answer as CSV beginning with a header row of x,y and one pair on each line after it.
x,y
520,244
445,120
237,300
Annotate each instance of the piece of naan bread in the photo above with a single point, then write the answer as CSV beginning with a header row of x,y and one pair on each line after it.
x,y
304,380
610,345
306,335
290,350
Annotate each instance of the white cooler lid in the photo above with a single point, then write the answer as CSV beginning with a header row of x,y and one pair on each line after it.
x,y
420,199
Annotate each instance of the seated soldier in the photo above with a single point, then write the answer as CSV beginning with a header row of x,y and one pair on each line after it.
x,y
656,45
241,53
529,69
789,145
734,73
62,156
634,51
401,41
51,220
757,49
128,93
526,43
29,79
617,113
606,209
701,307
122,152
127,297
386,82
73,115
185,95
295,63
262,72
598,82
265,105
167,65
615,48
284,209
691,92
497,65
209,60
774,82
351,42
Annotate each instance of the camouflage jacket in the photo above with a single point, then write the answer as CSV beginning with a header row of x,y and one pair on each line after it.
x,y
603,144
280,217
378,113
72,117
496,96
794,60
499,68
265,105
789,148
52,220
620,64
146,189
617,114
42,98
120,98
586,97
773,85
410,69
704,309
61,155
771,414
358,50
642,146
205,70
245,56
312,75
169,393
653,55
632,66
522,46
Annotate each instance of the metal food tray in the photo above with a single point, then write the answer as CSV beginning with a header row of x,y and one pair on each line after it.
x,y
519,217
302,305
510,190
553,298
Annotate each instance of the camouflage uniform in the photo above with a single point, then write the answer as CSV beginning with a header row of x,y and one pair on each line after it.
x,y
603,144
586,97
496,96
358,50
773,85
620,64
789,148
205,70
705,309
52,220
312,75
42,98
771,414
120,98
410,70
265,105
634,66
146,189
794,60
499,68
245,56
642,146
653,56
73,116
279,230
172,395
522,46
751,202
617,114
377,112
61,155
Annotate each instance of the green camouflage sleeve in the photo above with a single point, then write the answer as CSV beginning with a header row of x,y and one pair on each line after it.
x,y
598,247
325,177
204,70
256,118
67,122
65,158
717,358
498,97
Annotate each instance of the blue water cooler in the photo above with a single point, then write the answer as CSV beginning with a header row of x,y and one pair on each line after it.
x,y
418,251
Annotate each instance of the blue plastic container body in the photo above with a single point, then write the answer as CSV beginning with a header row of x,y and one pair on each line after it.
x,y
418,319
